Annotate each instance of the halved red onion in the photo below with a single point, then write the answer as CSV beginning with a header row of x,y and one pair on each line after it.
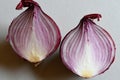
x,y
33,34
88,50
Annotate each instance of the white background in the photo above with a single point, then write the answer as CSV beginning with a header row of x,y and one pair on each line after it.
x,y
67,14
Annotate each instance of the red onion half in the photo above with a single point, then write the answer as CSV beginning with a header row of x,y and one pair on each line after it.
x,y
33,34
88,49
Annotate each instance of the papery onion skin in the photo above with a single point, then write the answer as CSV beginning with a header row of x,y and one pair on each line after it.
x,y
33,34
88,50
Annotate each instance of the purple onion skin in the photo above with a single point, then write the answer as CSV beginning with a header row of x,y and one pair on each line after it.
x,y
33,34
73,48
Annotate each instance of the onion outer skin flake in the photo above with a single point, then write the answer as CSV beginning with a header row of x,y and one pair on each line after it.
x,y
33,34
88,50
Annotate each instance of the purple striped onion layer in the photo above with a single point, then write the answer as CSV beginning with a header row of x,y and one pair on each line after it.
x,y
88,50
33,34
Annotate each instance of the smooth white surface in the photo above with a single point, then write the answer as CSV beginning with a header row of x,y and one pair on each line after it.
x,y
67,14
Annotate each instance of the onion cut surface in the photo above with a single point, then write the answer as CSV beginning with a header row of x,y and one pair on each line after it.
x,y
33,34
88,50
